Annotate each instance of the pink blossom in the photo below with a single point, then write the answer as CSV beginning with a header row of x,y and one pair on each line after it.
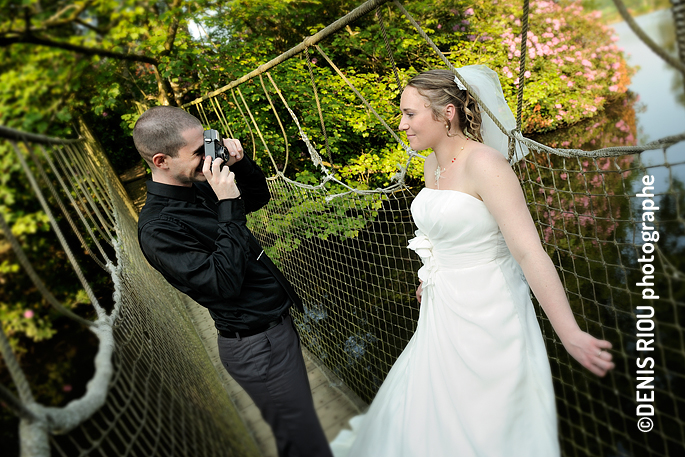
x,y
28,314
613,88
469,12
527,74
439,26
569,84
563,176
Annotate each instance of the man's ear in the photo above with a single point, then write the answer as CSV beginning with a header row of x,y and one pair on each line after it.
x,y
159,160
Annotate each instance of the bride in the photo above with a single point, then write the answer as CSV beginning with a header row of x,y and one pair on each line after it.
x,y
474,380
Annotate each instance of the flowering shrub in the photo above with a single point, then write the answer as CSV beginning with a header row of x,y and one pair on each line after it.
x,y
573,66
579,204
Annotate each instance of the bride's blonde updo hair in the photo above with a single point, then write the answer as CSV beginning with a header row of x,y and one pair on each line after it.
x,y
439,88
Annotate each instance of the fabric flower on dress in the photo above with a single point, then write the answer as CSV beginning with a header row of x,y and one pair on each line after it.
x,y
424,248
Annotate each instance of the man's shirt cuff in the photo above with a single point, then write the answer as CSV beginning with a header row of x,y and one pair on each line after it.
x,y
232,210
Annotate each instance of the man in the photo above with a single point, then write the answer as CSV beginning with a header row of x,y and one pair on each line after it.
x,y
193,230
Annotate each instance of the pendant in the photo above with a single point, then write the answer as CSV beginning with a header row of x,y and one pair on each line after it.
x,y
437,175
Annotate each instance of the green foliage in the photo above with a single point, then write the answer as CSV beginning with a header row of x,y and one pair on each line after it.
x,y
574,70
635,7
107,61
137,54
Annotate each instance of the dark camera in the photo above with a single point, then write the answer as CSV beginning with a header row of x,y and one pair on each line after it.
x,y
214,146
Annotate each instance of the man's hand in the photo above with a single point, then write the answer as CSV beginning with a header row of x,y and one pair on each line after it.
x,y
235,150
222,180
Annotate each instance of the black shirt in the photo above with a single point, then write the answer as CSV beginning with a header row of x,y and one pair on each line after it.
x,y
203,248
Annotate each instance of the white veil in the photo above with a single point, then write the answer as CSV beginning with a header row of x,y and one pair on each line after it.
x,y
485,83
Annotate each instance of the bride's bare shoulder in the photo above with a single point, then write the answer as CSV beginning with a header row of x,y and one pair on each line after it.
x,y
482,157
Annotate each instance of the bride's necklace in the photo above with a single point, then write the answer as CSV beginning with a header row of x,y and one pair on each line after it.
x,y
439,170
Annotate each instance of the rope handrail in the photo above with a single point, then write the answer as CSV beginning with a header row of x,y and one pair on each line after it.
x,y
655,48
19,135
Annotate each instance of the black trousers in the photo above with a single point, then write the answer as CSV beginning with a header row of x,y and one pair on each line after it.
x,y
270,367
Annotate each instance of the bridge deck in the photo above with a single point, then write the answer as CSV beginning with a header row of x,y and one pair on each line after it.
x,y
335,403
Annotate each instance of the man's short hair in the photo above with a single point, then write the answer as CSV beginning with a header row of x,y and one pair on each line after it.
x,y
159,130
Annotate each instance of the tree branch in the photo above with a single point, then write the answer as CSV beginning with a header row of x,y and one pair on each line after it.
x,y
171,32
55,20
90,26
32,39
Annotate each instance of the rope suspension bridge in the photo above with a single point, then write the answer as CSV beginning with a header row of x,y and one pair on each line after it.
x,y
156,391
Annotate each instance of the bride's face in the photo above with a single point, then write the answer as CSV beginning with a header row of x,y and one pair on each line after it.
x,y
417,121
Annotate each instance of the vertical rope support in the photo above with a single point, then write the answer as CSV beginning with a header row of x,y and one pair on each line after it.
x,y
259,132
254,145
388,48
678,11
88,189
658,50
203,115
78,193
63,208
318,106
67,192
522,63
222,118
278,118
60,236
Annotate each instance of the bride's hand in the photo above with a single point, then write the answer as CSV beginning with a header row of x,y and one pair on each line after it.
x,y
419,291
590,352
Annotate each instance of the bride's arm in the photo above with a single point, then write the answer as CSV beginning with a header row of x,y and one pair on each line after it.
x,y
495,182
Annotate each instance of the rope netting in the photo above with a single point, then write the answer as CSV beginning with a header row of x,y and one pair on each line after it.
x,y
155,391
344,244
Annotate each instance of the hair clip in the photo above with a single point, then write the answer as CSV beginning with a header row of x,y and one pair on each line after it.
x,y
459,84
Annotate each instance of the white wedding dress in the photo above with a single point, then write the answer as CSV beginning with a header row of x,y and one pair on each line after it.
x,y
474,380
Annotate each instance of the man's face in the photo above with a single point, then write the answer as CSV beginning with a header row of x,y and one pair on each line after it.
x,y
186,167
